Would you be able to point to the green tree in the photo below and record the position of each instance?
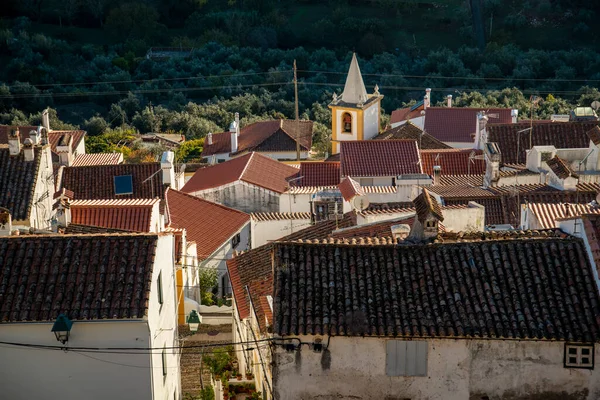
(208, 279)
(189, 150)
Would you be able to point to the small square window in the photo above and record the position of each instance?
(235, 240)
(579, 356)
(159, 288)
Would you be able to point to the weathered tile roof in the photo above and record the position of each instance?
(407, 113)
(125, 214)
(87, 277)
(591, 226)
(453, 161)
(562, 135)
(279, 216)
(77, 229)
(594, 135)
(253, 168)
(380, 229)
(459, 124)
(17, 182)
(461, 180)
(97, 182)
(530, 288)
(277, 135)
(23, 130)
(426, 204)
(548, 213)
(560, 168)
(54, 137)
(379, 158)
(318, 174)
(388, 208)
(413, 132)
(208, 224)
(349, 188)
(84, 160)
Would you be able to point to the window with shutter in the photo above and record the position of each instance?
(406, 358)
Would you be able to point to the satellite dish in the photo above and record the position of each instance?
(360, 202)
(598, 198)
(595, 105)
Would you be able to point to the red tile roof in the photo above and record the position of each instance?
(208, 224)
(380, 229)
(411, 131)
(548, 213)
(426, 204)
(591, 226)
(403, 114)
(454, 161)
(318, 174)
(23, 131)
(458, 124)
(379, 158)
(594, 135)
(97, 182)
(279, 216)
(461, 180)
(54, 138)
(87, 277)
(253, 168)
(277, 135)
(562, 135)
(560, 168)
(349, 188)
(84, 160)
(126, 214)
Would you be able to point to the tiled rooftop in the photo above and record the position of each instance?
(412, 132)
(318, 174)
(379, 158)
(125, 214)
(459, 124)
(562, 135)
(87, 277)
(17, 182)
(84, 160)
(524, 288)
(276, 135)
(281, 216)
(560, 168)
(404, 114)
(426, 204)
(349, 188)
(453, 161)
(461, 180)
(548, 213)
(208, 224)
(253, 168)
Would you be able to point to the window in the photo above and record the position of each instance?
(164, 361)
(406, 358)
(430, 224)
(235, 240)
(346, 123)
(159, 288)
(579, 356)
(123, 184)
(546, 156)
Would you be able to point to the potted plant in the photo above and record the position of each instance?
(249, 375)
(239, 376)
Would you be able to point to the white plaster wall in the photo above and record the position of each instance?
(418, 121)
(285, 155)
(295, 203)
(156, 222)
(80, 149)
(354, 368)
(371, 123)
(217, 157)
(522, 180)
(471, 219)
(461, 145)
(41, 213)
(51, 374)
(162, 321)
(243, 197)
(264, 232)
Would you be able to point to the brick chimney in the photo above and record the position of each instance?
(14, 142)
(64, 148)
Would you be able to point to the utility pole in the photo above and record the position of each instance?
(296, 109)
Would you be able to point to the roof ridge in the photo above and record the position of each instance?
(241, 177)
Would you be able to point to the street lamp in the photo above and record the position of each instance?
(62, 328)
(193, 321)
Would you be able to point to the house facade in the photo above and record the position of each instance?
(104, 313)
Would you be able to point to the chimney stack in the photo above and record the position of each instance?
(14, 142)
(428, 96)
(514, 113)
(5, 222)
(449, 100)
(492, 164)
(209, 139)
(237, 122)
(28, 151)
(64, 148)
(234, 130)
(437, 174)
(168, 169)
(34, 135)
(46, 120)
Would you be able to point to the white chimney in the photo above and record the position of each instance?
(233, 130)
(168, 169)
(14, 142)
(437, 174)
(449, 100)
(46, 120)
(428, 94)
(28, 151)
(425, 102)
(480, 130)
(237, 122)
(64, 148)
(492, 156)
(209, 138)
(514, 114)
(34, 135)
(5, 222)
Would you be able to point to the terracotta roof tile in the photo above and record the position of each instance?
(454, 161)
(461, 180)
(349, 189)
(548, 213)
(54, 137)
(208, 224)
(481, 289)
(562, 135)
(458, 124)
(86, 277)
(413, 132)
(23, 130)
(318, 174)
(407, 113)
(97, 182)
(380, 229)
(560, 168)
(17, 182)
(126, 214)
(379, 158)
(279, 216)
(84, 160)
(77, 229)
(264, 136)
(591, 226)
(594, 135)
(253, 168)
(426, 204)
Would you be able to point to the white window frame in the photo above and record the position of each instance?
(576, 351)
